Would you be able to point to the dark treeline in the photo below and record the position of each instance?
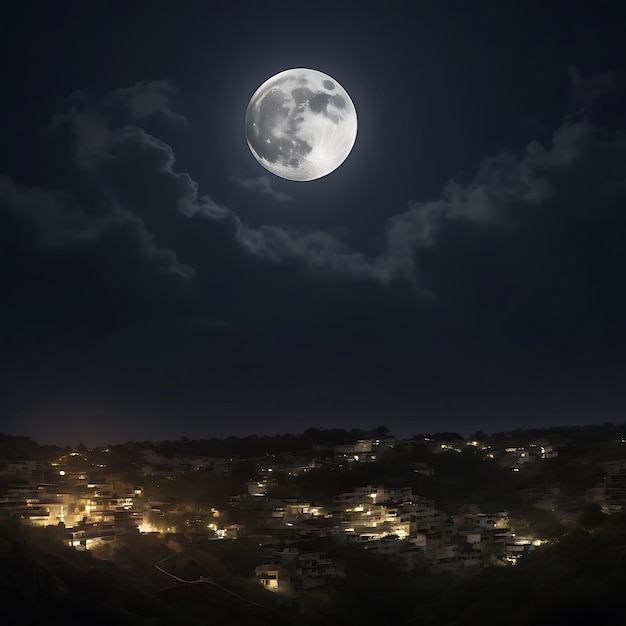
(576, 438)
(16, 448)
(260, 445)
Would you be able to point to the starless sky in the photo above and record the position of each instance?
(463, 269)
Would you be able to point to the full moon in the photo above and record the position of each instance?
(301, 124)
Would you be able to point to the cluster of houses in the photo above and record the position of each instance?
(302, 543)
(90, 506)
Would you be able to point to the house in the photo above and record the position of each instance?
(515, 458)
(274, 577)
(300, 565)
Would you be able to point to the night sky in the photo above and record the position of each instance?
(464, 268)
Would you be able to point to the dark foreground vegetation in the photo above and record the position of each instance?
(579, 578)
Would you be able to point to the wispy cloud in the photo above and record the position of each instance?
(263, 186)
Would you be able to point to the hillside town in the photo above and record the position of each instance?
(94, 497)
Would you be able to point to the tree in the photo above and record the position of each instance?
(380, 432)
(591, 516)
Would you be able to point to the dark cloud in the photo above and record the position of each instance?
(144, 100)
(53, 218)
(91, 121)
(263, 186)
(139, 172)
(547, 284)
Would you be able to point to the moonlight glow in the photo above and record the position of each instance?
(301, 124)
